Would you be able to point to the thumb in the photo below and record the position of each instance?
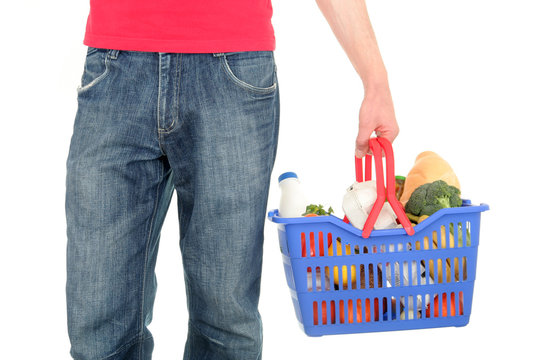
(362, 141)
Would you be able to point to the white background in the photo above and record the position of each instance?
(465, 82)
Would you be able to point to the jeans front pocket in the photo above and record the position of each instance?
(254, 71)
(96, 67)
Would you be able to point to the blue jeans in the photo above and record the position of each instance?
(148, 123)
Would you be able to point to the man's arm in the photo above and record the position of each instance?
(350, 23)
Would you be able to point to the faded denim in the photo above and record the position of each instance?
(147, 124)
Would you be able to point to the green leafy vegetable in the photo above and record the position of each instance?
(318, 210)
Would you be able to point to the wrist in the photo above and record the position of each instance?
(376, 85)
(377, 90)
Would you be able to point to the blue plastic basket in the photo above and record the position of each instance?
(395, 281)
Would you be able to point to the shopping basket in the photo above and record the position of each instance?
(346, 280)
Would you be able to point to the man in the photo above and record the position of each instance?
(184, 95)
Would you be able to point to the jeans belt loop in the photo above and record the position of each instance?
(113, 54)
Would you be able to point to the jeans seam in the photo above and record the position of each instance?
(176, 98)
(145, 267)
(201, 334)
(244, 85)
(82, 89)
(137, 338)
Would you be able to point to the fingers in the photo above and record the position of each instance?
(362, 141)
(389, 133)
(365, 133)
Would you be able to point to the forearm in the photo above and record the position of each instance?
(350, 23)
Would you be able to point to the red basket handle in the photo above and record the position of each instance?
(375, 144)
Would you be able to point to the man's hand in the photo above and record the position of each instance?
(376, 115)
(350, 23)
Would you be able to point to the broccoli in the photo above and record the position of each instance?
(430, 197)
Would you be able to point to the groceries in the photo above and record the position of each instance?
(358, 202)
(293, 200)
(317, 210)
(430, 197)
(427, 168)
(400, 185)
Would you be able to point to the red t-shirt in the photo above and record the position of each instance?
(189, 26)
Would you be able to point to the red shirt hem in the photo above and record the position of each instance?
(179, 46)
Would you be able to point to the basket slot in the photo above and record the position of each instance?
(406, 273)
(445, 237)
(453, 269)
(458, 271)
(412, 307)
(337, 278)
(429, 305)
(422, 273)
(421, 306)
(355, 276)
(464, 268)
(359, 310)
(321, 244)
(371, 277)
(379, 275)
(303, 243)
(404, 302)
(392, 310)
(324, 313)
(341, 312)
(343, 277)
(450, 305)
(470, 232)
(327, 279)
(383, 309)
(319, 278)
(439, 271)
(362, 276)
(377, 309)
(452, 236)
(447, 270)
(463, 230)
(315, 313)
(369, 311)
(431, 270)
(415, 274)
(460, 234)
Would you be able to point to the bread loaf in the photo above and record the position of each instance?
(428, 167)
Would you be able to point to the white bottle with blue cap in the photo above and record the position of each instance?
(293, 202)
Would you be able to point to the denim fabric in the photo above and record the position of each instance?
(147, 124)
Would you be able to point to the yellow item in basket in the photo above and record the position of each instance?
(443, 244)
(428, 167)
(343, 268)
